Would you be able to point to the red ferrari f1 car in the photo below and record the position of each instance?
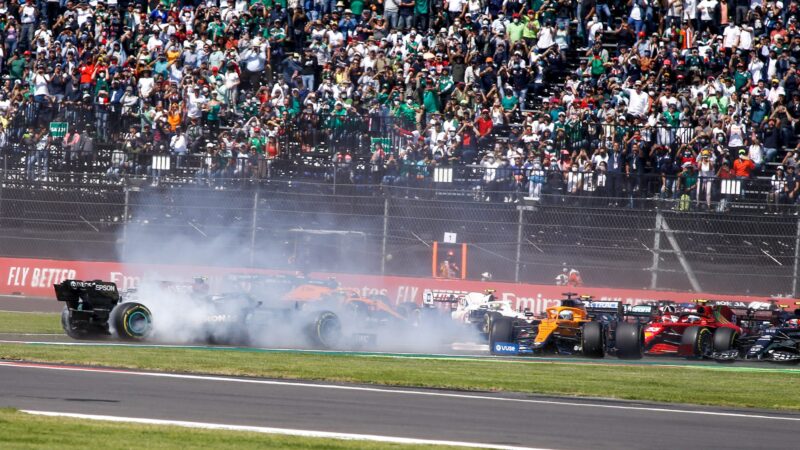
(697, 330)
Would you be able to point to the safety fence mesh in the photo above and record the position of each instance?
(351, 229)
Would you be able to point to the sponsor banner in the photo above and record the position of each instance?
(35, 277)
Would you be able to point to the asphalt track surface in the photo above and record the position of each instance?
(29, 304)
(499, 419)
(484, 418)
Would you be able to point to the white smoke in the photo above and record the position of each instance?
(223, 315)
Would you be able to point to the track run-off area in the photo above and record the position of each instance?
(425, 416)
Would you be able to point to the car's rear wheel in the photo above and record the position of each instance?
(696, 342)
(592, 340)
(326, 330)
(501, 330)
(71, 330)
(630, 340)
(132, 321)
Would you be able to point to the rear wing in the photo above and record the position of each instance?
(642, 311)
(95, 292)
(605, 307)
(739, 305)
(432, 297)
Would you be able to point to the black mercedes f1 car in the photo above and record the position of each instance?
(96, 308)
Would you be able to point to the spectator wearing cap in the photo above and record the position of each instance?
(743, 167)
(483, 126)
(638, 100)
(777, 192)
(687, 182)
(791, 185)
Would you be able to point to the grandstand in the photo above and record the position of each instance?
(641, 98)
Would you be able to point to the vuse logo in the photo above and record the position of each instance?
(506, 348)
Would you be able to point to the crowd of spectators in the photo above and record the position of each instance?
(599, 92)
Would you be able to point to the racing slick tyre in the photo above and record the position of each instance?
(485, 325)
(132, 321)
(71, 330)
(592, 340)
(725, 339)
(696, 342)
(326, 330)
(500, 331)
(630, 340)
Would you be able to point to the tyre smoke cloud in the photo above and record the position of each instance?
(224, 311)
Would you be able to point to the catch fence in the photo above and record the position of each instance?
(312, 227)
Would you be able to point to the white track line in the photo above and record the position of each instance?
(395, 391)
(283, 431)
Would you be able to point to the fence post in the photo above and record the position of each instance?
(796, 259)
(676, 248)
(656, 248)
(520, 225)
(385, 234)
(253, 229)
(123, 250)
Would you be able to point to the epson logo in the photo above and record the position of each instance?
(104, 287)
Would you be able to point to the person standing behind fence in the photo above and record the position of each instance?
(38, 157)
(70, 147)
(535, 174)
(791, 186)
(177, 146)
(777, 191)
(706, 182)
(616, 161)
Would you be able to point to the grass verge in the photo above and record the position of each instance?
(23, 431)
(18, 322)
(697, 385)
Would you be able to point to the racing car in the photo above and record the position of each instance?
(360, 318)
(779, 343)
(698, 329)
(472, 309)
(579, 326)
(95, 309)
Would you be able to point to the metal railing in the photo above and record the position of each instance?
(57, 164)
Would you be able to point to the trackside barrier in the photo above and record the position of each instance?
(35, 277)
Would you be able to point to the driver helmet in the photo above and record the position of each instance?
(693, 319)
(565, 315)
